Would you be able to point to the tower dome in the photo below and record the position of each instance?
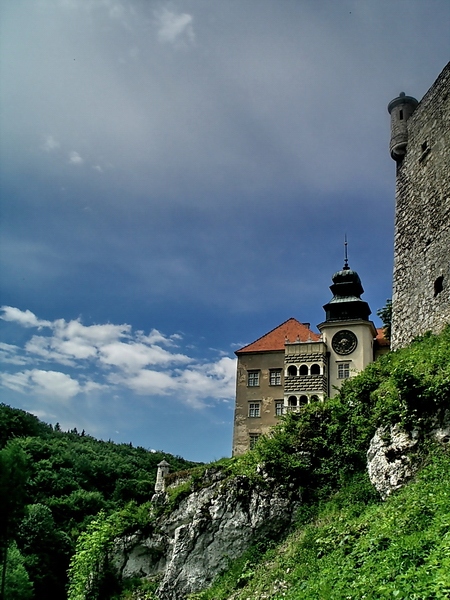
(346, 303)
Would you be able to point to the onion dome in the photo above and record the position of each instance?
(346, 303)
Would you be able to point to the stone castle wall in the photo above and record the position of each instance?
(421, 286)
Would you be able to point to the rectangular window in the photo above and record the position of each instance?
(253, 439)
(253, 379)
(275, 377)
(279, 408)
(254, 409)
(343, 370)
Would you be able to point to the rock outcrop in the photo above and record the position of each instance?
(388, 459)
(210, 527)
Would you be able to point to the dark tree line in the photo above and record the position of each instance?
(52, 484)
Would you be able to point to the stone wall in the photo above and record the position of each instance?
(421, 286)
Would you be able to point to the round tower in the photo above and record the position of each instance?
(400, 109)
(163, 470)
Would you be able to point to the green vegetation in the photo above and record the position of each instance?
(345, 543)
(385, 315)
(357, 547)
(53, 485)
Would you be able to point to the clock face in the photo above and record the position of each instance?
(344, 342)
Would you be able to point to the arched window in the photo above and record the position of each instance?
(303, 400)
(292, 400)
(315, 369)
(304, 370)
(292, 370)
(314, 398)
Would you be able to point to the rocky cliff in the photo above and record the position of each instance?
(211, 526)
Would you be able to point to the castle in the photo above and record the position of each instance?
(420, 145)
(291, 365)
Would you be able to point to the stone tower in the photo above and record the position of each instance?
(163, 470)
(420, 145)
(400, 109)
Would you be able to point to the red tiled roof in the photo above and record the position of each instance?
(275, 339)
(381, 338)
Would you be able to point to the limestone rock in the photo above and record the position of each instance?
(388, 461)
(212, 525)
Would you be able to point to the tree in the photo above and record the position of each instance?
(17, 583)
(385, 315)
(13, 477)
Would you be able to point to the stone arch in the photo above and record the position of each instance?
(303, 370)
(292, 370)
(303, 400)
(315, 369)
(314, 398)
(292, 401)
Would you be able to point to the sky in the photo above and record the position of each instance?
(176, 180)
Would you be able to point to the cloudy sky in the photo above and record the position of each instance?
(176, 180)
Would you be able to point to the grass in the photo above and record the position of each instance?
(357, 547)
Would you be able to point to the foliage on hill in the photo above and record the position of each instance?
(70, 478)
(356, 547)
(347, 544)
(344, 534)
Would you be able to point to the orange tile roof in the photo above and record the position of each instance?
(381, 338)
(275, 339)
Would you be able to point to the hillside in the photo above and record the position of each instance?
(298, 517)
(313, 523)
(69, 477)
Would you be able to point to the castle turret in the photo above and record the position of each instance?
(400, 109)
(163, 470)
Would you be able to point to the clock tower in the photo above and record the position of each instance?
(347, 331)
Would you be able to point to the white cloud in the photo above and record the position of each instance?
(113, 355)
(75, 158)
(173, 26)
(133, 356)
(42, 348)
(9, 353)
(147, 382)
(50, 144)
(54, 383)
(24, 317)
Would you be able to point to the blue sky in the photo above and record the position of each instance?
(176, 180)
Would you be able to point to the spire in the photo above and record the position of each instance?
(346, 267)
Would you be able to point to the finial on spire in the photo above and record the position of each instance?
(346, 267)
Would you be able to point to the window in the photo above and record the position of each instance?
(315, 369)
(254, 409)
(253, 439)
(292, 401)
(253, 379)
(438, 285)
(303, 400)
(343, 370)
(314, 398)
(292, 370)
(275, 377)
(303, 370)
(278, 408)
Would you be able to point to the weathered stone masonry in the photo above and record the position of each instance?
(421, 284)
